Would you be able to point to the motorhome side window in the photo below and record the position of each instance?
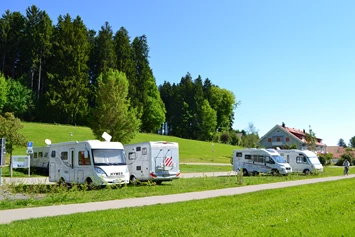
(138, 148)
(40, 154)
(64, 155)
(239, 154)
(144, 151)
(35, 155)
(248, 157)
(301, 159)
(82, 160)
(45, 154)
(53, 154)
(132, 156)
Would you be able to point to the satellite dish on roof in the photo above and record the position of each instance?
(106, 136)
(48, 142)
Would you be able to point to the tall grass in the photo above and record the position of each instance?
(322, 209)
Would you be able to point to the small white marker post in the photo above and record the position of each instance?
(212, 151)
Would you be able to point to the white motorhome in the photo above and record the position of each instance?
(39, 159)
(93, 162)
(156, 161)
(256, 161)
(304, 161)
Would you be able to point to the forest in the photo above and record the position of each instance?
(66, 73)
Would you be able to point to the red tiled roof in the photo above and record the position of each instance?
(299, 133)
(337, 151)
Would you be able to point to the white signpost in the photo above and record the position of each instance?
(29, 148)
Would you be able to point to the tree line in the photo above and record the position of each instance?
(69, 74)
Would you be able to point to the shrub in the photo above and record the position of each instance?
(225, 138)
(235, 140)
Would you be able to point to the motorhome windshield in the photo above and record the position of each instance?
(314, 160)
(278, 159)
(108, 157)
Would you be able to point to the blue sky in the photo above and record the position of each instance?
(285, 61)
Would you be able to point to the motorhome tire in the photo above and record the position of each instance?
(62, 183)
(89, 183)
(255, 173)
(274, 172)
(159, 182)
(306, 172)
(133, 179)
(245, 172)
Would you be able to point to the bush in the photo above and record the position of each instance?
(225, 138)
(235, 140)
(325, 159)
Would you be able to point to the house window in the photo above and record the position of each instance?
(278, 139)
(287, 139)
(269, 139)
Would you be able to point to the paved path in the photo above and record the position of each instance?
(7, 216)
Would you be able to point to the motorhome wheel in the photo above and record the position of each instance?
(133, 179)
(62, 183)
(89, 183)
(245, 172)
(274, 172)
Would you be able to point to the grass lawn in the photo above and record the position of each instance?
(322, 209)
(189, 150)
(53, 195)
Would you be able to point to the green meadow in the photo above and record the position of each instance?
(322, 209)
(189, 150)
(46, 195)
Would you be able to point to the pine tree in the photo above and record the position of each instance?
(67, 94)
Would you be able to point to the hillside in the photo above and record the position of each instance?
(190, 150)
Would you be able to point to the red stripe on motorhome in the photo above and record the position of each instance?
(168, 161)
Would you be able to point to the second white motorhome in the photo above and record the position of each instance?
(254, 161)
(156, 161)
(303, 161)
(39, 159)
(93, 162)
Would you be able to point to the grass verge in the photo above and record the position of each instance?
(46, 195)
(308, 210)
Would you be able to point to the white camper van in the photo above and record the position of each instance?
(154, 160)
(302, 160)
(93, 162)
(256, 161)
(39, 159)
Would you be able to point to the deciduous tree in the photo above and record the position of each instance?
(352, 142)
(113, 113)
(10, 130)
(251, 139)
(19, 99)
